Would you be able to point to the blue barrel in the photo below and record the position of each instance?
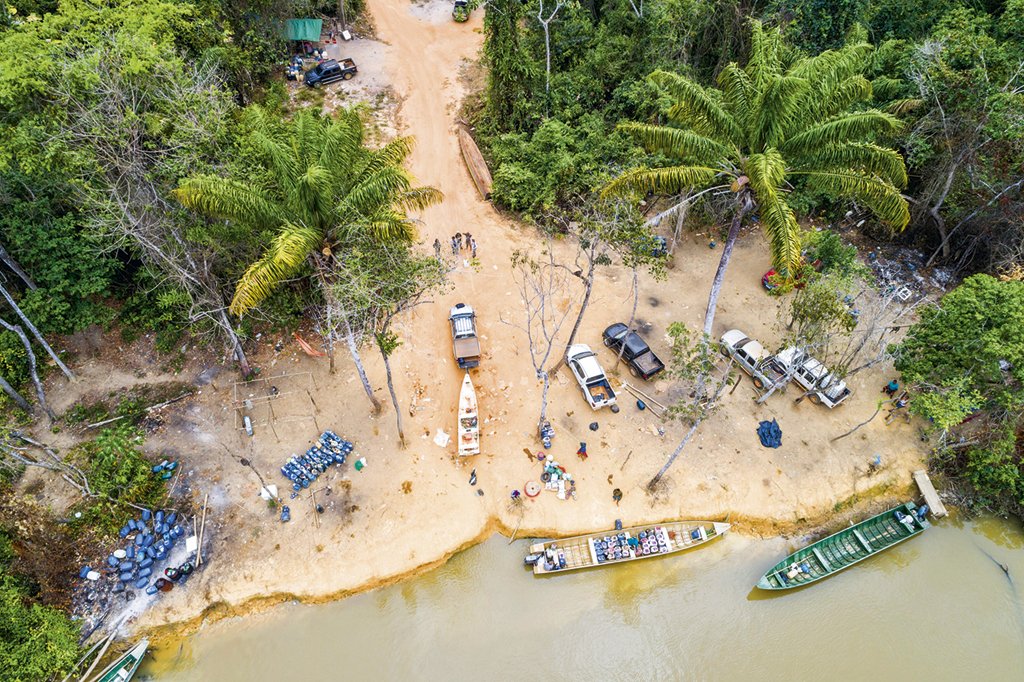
(85, 571)
(118, 588)
(151, 589)
(147, 540)
(150, 552)
(130, 552)
(131, 524)
(126, 576)
(177, 531)
(123, 533)
(171, 517)
(161, 555)
(126, 566)
(159, 516)
(157, 468)
(146, 514)
(171, 466)
(145, 573)
(146, 563)
(141, 582)
(112, 561)
(138, 540)
(164, 528)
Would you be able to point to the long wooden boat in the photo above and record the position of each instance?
(621, 546)
(124, 668)
(845, 548)
(469, 420)
(475, 163)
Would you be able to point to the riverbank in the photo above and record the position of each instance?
(412, 508)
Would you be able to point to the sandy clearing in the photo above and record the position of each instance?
(380, 532)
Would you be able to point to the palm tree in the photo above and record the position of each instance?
(320, 191)
(773, 121)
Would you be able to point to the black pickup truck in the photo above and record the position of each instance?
(642, 361)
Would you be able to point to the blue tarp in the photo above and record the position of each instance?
(770, 434)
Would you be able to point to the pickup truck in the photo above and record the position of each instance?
(591, 378)
(824, 387)
(330, 71)
(465, 344)
(642, 361)
(752, 358)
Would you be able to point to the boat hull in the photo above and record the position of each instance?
(469, 420)
(596, 549)
(841, 550)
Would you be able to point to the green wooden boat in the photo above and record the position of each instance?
(844, 549)
(123, 669)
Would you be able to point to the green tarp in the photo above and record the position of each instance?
(303, 29)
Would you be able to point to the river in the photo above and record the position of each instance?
(933, 608)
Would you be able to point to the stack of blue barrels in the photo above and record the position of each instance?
(303, 470)
(149, 540)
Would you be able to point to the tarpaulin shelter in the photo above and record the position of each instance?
(303, 29)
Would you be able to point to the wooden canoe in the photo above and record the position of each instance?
(843, 549)
(469, 420)
(124, 668)
(599, 549)
(475, 163)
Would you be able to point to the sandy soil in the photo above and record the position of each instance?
(412, 508)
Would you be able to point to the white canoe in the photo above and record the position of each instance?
(469, 420)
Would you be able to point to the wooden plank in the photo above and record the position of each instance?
(931, 497)
(822, 560)
(475, 163)
(863, 540)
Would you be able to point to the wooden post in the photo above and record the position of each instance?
(202, 527)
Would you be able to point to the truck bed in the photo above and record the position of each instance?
(601, 392)
(467, 351)
(648, 364)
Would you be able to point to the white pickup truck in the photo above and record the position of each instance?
(752, 358)
(591, 378)
(824, 387)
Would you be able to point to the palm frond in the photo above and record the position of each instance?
(865, 158)
(696, 108)
(229, 199)
(765, 54)
(841, 97)
(740, 94)
(670, 180)
(418, 198)
(767, 172)
(777, 110)
(683, 145)
(286, 254)
(389, 226)
(882, 198)
(851, 127)
(901, 107)
(374, 191)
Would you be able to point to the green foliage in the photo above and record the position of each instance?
(836, 257)
(818, 25)
(118, 474)
(965, 358)
(818, 310)
(36, 642)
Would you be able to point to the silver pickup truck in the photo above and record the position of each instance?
(824, 387)
(752, 358)
(465, 344)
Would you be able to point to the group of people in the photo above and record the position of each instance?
(899, 403)
(458, 242)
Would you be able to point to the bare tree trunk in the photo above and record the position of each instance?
(544, 397)
(865, 422)
(353, 349)
(394, 398)
(9, 261)
(944, 246)
(653, 483)
(632, 313)
(588, 287)
(18, 399)
(40, 394)
(239, 352)
(730, 241)
(35, 332)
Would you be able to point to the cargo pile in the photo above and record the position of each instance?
(303, 470)
(624, 546)
(556, 479)
(149, 540)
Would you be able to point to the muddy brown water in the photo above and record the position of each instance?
(934, 608)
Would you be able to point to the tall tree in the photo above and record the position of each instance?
(769, 123)
(320, 192)
(509, 66)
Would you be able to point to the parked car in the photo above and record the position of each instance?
(330, 71)
(591, 378)
(751, 357)
(642, 361)
(465, 344)
(824, 387)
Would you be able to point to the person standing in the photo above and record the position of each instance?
(472, 248)
(458, 241)
(455, 246)
(467, 238)
(437, 249)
